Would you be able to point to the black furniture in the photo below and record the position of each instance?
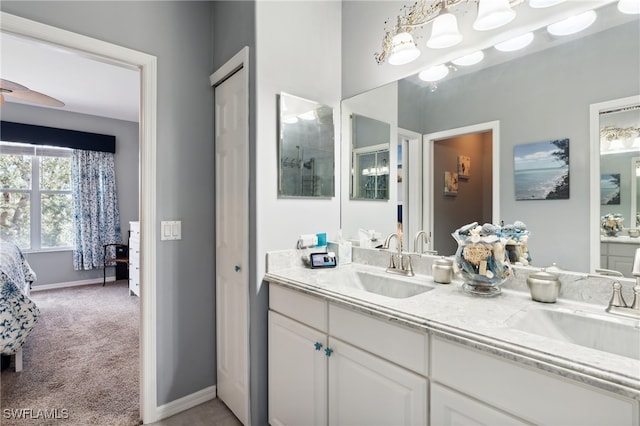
(121, 261)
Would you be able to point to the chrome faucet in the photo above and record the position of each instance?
(422, 237)
(617, 304)
(398, 263)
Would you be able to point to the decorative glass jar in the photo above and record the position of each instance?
(481, 258)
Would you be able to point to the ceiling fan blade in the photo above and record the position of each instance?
(36, 98)
(8, 85)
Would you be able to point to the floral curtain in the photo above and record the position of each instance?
(95, 207)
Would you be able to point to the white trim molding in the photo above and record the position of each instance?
(186, 402)
(147, 64)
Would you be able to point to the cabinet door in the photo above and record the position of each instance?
(297, 373)
(449, 408)
(367, 390)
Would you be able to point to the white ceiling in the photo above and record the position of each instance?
(94, 87)
(84, 84)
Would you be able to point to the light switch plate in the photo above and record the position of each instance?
(171, 230)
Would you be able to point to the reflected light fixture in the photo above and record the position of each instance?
(470, 59)
(572, 24)
(493, 14)
(444, 32)
(435, 73)
(309, 115)
(398, 46)
(615, 139)
(403, 50)
(630, 7)
(515, 43)
(539, 4)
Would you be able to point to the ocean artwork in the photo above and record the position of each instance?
(610, 189)
(541, 170)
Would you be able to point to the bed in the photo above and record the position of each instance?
(18, 313)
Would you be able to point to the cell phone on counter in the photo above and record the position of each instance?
(323, 260)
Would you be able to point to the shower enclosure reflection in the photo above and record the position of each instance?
(306, 148)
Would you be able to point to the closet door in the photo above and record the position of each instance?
(232, 221)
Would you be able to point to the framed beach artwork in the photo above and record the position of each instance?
(541, 170)
(450, 184)
(610, 189)
(464, 166)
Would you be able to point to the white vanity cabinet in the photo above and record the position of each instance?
(487, 388)
(318, 378)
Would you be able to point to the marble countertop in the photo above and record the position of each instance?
(484, 323)
(621, 239)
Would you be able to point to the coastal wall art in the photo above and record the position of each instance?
(541, 170)
(450, 183)
(610, 189)
(464, 166)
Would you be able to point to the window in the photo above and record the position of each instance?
(36, 203)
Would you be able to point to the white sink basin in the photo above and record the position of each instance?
(612, 335)
(389, 285)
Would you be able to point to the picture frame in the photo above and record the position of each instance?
(609, 189)
(450, 184)
(464, 167)
(541, 170)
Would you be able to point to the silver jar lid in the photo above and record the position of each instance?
(544, 275)
(443, 261)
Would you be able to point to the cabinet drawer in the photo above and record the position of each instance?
(299, 306)
(628, 250)
(402, 345)
(531, 394)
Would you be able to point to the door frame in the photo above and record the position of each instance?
(429, 140)
(147, 66)
(412, 185)
(241, 61)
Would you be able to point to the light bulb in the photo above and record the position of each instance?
(434, 73)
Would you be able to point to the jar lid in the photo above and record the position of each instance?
(443, 261)
(544, 275)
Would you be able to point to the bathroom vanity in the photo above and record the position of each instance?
(356, 345)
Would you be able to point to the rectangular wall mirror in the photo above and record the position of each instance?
(369, 158)
(306, 148)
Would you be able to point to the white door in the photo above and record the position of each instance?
(297, 373)
(232, 188)
(367, 390)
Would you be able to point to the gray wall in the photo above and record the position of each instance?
(539, 97)
(57, 267)
(179, 34)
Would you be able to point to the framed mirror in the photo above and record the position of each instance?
(615, 147)
(306, 165)
(370, 165)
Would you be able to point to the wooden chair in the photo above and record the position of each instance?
(110, 261)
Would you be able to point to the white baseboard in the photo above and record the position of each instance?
(56, 286)
(182, 404)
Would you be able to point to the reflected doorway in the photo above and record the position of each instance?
(460, 181)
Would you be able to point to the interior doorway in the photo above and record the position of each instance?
(147, 66)
(461, 181)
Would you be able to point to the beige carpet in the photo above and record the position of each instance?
(81, 364)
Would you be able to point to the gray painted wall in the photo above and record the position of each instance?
(541, 97)
(179, 34)
(57, 267)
